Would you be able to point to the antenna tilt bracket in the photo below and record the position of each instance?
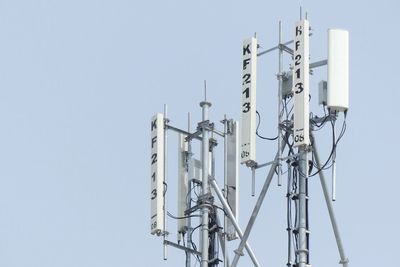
(252, 164)
(212, 143)
(205, 200)
(205, 125)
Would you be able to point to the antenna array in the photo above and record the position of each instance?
(201, 199)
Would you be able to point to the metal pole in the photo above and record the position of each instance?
(302, 250)
(223, 241)
(289, 224)
(225, 187)
(229, 212)
(301, 13)
(274, 48)
(239, 250)
(189, 197)
(213, 244)
(280, 104)
(343, 259)
(205, 209)
(165, 234)
(253, 181)
(334, 176)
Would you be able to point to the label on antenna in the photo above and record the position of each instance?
(248, 106)
(301, 73)
(157, 175)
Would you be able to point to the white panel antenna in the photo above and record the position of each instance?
(301, 73)
(248, 108)
(157, 174)
(182, 183)
(338, 70)
(322, 92)
(232, 176)
(195, 171)
(287, 85)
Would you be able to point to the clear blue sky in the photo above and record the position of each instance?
(79, 81)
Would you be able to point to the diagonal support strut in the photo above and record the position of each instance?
(232, 218)
(343, 259)
(239, 250)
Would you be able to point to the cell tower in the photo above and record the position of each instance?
(202, 202)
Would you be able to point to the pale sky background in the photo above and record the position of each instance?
(80, 80)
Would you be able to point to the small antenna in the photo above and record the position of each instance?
(189, 121)
(301, 13)
(205, 90)
(165, 110)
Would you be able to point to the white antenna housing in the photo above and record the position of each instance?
(232, 177)
(157, 174)
(182, 182)
(322, 92)
(338, 70)
(301, 77)
(195, 170)
(248, 108)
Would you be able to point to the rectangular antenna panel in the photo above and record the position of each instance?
(182, 182)
(322, 92)
(157, 175)
(248, 108)
(195, 170)
(301, 73)
(338, 69)
(232, 176)
(287, 85)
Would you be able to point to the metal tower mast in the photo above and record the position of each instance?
(205, 197)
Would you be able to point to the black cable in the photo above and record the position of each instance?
(258, 125)
(320, 125)
(187, 195)
(183, 217)
(295, 189)
(212, 237)
(165, 188)
(285, 138)
(193, 244)
(291, 109)
(223, 210)
(325, 166)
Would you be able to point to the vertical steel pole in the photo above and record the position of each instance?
(205, 209)
(253, 181)
(165, 234)
(302, 251)
(225, 189)
(343, 259)
(189, 196)
(222, 242)
(289, 224)
(334, 176)
(280, 105)
(213, 244)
